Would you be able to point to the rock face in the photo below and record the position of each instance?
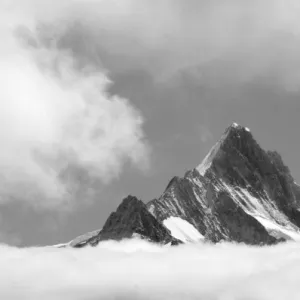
(131, 219)
(238, 193)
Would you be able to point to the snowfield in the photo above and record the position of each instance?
(183, 230)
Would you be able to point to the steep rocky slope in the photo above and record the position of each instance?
(131, 219)
(238, 193)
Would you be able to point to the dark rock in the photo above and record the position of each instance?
(132, 218)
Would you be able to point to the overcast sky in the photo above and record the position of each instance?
(100, 99)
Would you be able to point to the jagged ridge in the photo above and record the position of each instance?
(131, 219)
(238, 193)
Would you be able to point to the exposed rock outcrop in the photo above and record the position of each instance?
(131, 219)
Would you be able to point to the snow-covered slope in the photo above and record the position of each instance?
(266, 213)
(183, 230)
(207, 161)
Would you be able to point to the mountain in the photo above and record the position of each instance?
(131, 219)
(239, 193)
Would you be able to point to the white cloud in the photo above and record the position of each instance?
(55, 118)
(53, 87)
(137, 270)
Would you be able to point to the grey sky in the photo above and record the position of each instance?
(187, 69)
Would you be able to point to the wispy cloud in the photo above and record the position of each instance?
(138, 270)
(230, 42)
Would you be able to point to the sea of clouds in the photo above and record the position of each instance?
(135, 269)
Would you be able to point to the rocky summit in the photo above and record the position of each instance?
(239, 193)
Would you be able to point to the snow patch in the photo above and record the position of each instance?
(277, 230)
(183, 230)
(247, 129)
(203, 167)
(235, 124)
(206, 163)
(59, 245)
(151, 209)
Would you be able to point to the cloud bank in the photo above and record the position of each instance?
(134, 269)
(61, 133)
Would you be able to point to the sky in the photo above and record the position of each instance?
(103, 98)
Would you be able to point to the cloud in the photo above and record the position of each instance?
(62, 134)
(60, 131)
(134, 269)
(220, 43)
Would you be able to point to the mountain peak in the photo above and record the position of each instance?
(235, 126)
(132, 218)
(234, 136)
(243, 193)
